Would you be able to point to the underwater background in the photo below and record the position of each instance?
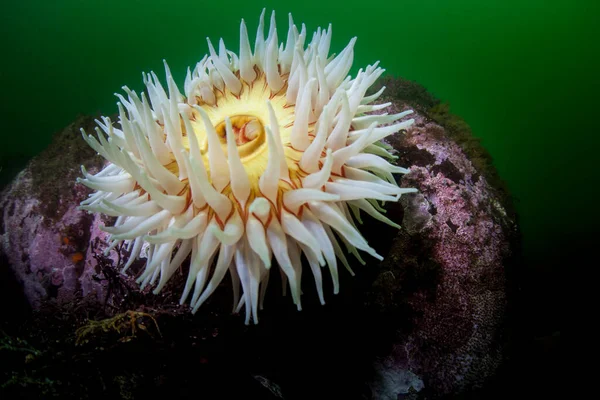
(522, 74)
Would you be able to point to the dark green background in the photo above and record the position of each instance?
(521, 73)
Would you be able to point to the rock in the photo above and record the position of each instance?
(444, 278)
(424, 323)
(43, 236)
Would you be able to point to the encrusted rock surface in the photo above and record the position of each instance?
(445, 274)
(43, 237)
(426, 322)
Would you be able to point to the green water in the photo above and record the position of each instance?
(521, 73)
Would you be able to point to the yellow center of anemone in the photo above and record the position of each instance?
(249, 115)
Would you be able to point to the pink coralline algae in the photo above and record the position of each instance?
(446, 281)
(45, 238)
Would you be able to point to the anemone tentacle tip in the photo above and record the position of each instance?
(266, 155)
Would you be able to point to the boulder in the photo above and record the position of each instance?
(44, 238)
(427, 322)
(442, 288)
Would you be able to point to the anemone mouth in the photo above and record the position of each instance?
(249, 132)
(267, 157)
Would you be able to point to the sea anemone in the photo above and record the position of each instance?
(266, 155)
